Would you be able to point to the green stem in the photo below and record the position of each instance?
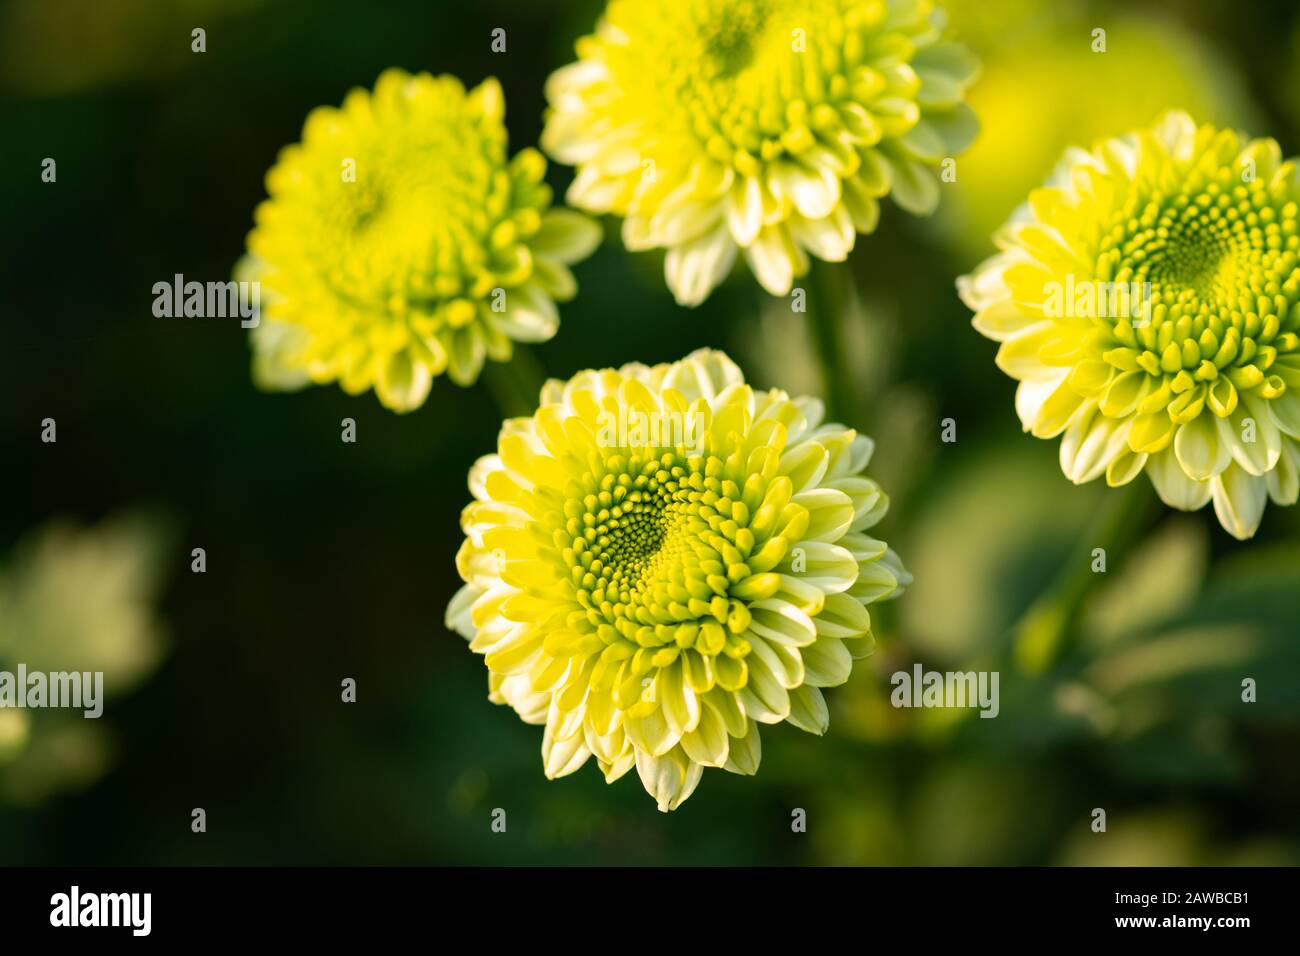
(829, 289)
(1050, 627)
(515, 385)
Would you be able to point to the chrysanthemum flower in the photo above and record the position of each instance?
(771, 126)
(399, 241)
(1148, 302)
(661, 559)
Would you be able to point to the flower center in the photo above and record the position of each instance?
(654, 546)
(744, 78)
(1213, 269)
(406, 231)
(1190, 261)
(731, 40)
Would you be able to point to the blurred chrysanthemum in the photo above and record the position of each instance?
(1148, 301)
(399, 241)
(771, 126)
(76, 599)
(661, 559)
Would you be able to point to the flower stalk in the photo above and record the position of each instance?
(1047, 631)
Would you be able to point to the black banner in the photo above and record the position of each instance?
(219, 904)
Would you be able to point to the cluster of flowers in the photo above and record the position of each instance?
(652, 601)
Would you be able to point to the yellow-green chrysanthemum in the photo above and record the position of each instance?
(661, 559)
(771, 126)
(1148, 302)
(399, 241)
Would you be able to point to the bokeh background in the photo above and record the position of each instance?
(327, 560)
